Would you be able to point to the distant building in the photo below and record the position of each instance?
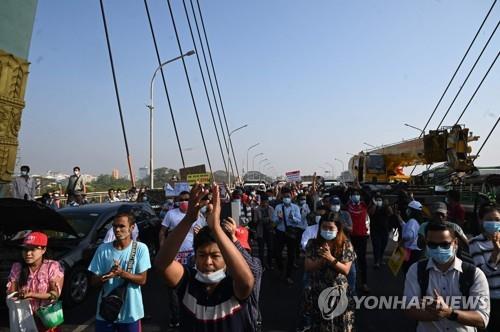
(143, 172)
(115, 174)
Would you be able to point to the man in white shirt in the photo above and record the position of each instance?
(443, 293)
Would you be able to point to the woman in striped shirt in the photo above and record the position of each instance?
(485, 252)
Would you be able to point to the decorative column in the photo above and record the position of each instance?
(16, 27)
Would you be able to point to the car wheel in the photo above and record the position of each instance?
(76, 286)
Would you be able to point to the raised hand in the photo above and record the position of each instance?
(195, 198)
(213, 218)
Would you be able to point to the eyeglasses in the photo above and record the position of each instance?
(443, 245)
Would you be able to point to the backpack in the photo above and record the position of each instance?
(465, 281)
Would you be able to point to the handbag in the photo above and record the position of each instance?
(291, 233)
(396, 260)
(20, 315)
(51, 315)
(112, 303)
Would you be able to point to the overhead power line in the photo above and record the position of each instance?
(164, 85)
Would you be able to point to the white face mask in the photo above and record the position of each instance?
(210, 278)
(379, 203)
(24, 173)
(335, 208)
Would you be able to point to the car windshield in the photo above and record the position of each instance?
(81, 223)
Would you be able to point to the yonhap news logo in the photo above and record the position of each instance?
(333, 302)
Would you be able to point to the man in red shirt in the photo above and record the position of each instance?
(358, 210)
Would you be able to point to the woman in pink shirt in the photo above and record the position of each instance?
(36, 278)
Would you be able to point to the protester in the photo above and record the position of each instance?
(239, 236)
(121, 264)
(485, 252)
(410, 234)
(24, 186)
(36, 278)
(440, 277)
(111, 196)
(76, 183)
(439, 215)
(360, 233)
(456, 212)
(213, 300)
(328, 261)
(265, 231)
(172, 219)
(379, 228)
(287, 218)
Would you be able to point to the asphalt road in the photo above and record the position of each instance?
(279, 303)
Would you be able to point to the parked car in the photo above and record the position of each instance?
(74, 235)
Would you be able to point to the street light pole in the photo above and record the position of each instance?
(341, 162)
(370, 145)
(333, 170)
(228, 156)
(253, 160)
(420, 130)
(260, 162)
(151, 108)
(248, 150)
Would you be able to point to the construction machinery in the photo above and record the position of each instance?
(385, 164)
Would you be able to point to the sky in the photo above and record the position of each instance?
(314, 80)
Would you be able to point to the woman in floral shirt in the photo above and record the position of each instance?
(36, 278)
(328, 261)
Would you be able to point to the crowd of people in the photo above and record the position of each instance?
(213, 261)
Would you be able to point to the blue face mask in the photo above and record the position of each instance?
(302, 202)
(491, 227)
(441, 255)
(328, 235)
(355, 199)
(287, 200)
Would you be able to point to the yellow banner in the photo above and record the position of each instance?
(201, 178)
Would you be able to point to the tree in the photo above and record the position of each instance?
(106, 181)
(162, 175)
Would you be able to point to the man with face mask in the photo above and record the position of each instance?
(445, 276)
(24, 186)
(76, 183)
(170, 222)
(110, 270)
(212, 299)
(287, 219)
(379, 228)
(360, 232)
(485, 252)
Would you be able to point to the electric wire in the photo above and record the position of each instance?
(217, 85)
(486, 140)
(468, 75)
(477, 89)
(117, 94)
(205, 84)
(164, 83)
(459, 65)
(211, 83)
(189, 85)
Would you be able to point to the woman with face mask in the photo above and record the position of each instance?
(410, 234)
(36, 278)
(485, 252)
(328, 261)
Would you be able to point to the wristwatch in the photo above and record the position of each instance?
(453, 315)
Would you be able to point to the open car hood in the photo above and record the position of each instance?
(18, 215)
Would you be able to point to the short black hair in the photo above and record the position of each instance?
(204, 236)
(76, 168)
(439, 227)
(487, 208)
(26, 167)
(184, 193)
(130, 217)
